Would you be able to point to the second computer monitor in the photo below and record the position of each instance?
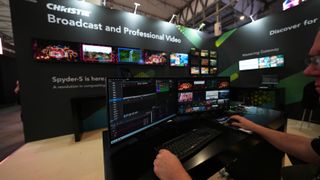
(203, 94)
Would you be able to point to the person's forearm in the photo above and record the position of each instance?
(297, 146)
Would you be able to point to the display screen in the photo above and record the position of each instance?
(213, 70)
(55, 51)
(194, 52)
(154, 57)
(205, 62)
(262, 63)
(195, 70)
(203, 94)
(130, 55)
(178, 59)
(213, 62)
(213, 54)
(134, 105)
(204, 53)
(99, 54)
(204, 70)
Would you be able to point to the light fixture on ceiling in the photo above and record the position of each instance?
(136, 7)
(251, 17)
(241, 17)
(173, 16)
(202, 25)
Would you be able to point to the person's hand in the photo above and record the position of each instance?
(168, 167)
(243, 122)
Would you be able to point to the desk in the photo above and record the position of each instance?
(239, 151)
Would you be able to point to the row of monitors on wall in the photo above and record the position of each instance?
(196, 70)
(203, 53)
(262, 63)
(61, 51)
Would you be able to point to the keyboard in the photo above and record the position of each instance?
(190, 142)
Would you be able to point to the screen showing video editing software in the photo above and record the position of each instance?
(203, 94)
(137, 104)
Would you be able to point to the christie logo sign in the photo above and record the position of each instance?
(69, 10)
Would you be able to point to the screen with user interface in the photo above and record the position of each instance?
(203, 94)
(135, 105)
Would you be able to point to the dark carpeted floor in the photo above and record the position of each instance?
(11, 131)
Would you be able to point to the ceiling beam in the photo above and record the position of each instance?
(132, 8)
(168, 4)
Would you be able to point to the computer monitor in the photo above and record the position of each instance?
(135, 105)
(203, 94)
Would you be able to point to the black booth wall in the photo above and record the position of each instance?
(46, 104)
(8, 78)
(259, 39)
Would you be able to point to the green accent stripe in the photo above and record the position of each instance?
(224, 37)
(191, 35)
(294, 85)
(231, 71)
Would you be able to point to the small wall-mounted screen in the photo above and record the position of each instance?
(262, 62)
(130, 55)
(94, 53)
(55, 51)
(195, 70)
(154, 57)
(178, 59)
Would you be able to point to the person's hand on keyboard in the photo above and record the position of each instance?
(168, 167)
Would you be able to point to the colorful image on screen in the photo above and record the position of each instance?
(185, 97)
(204, 53)
(55, 51)
(213, 70)
(184, 86)
(264, 62)
(204, 70)
(195, 70)
(154, 57)
(213, 62)
(213, 54)
(93, 53)
(205, 62)
(129, 55)
(178, 59)
(223, 84)
(162, 86)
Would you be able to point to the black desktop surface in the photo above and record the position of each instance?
(135, 161)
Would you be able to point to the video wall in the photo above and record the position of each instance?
(203, 62)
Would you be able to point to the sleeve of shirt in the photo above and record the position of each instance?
(315, 143)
